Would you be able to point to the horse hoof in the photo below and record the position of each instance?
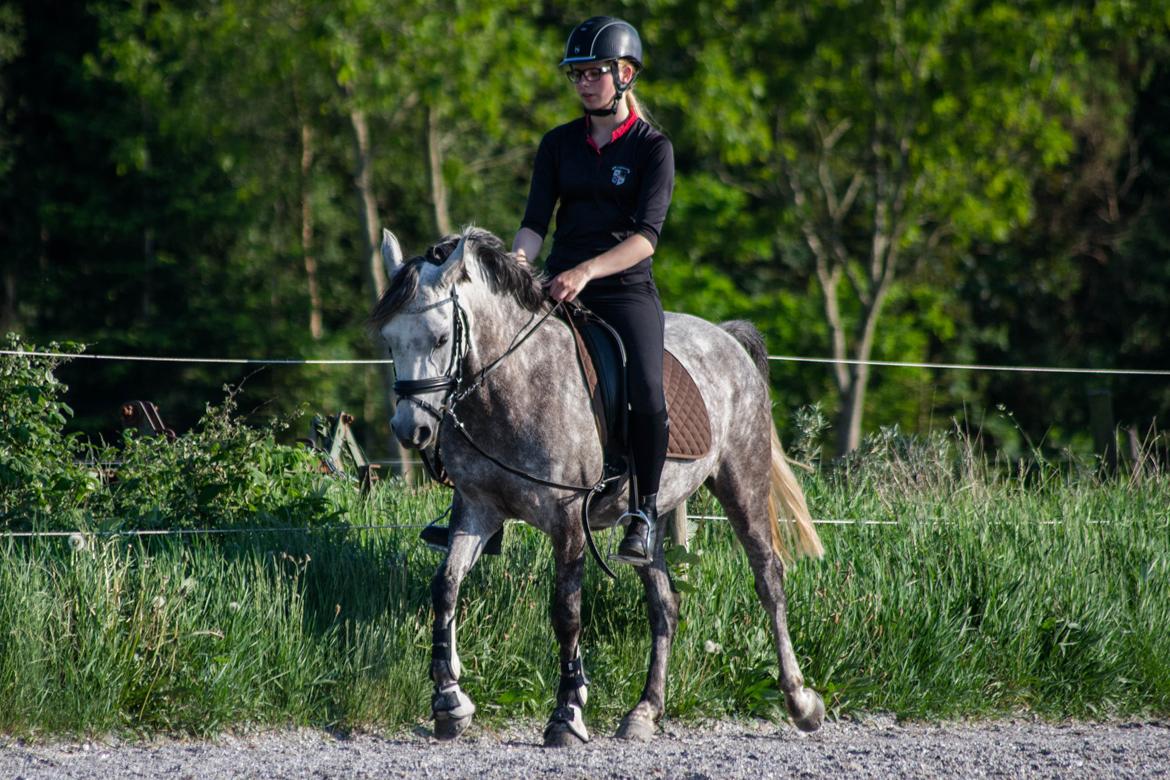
(566, 728)
(807, 718)
(636, 729)
(449, 728)
(561, 736)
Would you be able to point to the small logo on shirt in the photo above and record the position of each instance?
(620, 172)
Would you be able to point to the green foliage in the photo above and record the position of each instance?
(10, 43)
(223, 474)
(39, 475)
(980, 590)
(177, 178)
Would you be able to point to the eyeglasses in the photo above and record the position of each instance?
(590, 75)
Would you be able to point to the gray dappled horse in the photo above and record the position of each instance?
(448, 321)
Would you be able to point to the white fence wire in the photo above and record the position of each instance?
(76, 536)
(775, 358)
(387, 361)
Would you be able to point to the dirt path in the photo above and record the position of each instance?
(727, 749)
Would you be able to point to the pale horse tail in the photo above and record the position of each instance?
(796, 537)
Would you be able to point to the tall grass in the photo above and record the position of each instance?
(995, 589)
(993, 593)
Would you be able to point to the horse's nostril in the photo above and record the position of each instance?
(423, 434)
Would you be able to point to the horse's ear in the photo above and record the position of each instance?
(453, 265)
(391, 253)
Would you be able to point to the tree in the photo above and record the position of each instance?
(241, 131)
(886, 135)
(1086, 284)
(10, 42)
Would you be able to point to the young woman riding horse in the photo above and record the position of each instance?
(518, 439)
(612, 174)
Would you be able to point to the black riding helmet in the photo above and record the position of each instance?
(606, 38)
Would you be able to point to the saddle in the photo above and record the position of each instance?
(602, 358)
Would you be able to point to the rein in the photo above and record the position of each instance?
(449, 382)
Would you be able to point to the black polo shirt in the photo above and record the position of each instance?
(606, 195)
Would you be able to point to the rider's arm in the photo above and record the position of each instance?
(542, 199)
(526, 246)
(654, 195)
(567, 285)
(653, 201)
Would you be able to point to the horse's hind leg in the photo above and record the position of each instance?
(662, 608)
(451, 707)
(744, 496)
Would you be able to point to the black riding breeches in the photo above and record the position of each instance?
(635, 312)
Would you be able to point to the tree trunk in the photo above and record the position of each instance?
(375, 274)
(852, 410)
(435, 160)
(146, 288)
(8, 309)
(315, 317)
(367, 205)
(853, 395)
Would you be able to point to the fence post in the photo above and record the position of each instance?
(1101, 424)
(680, 527)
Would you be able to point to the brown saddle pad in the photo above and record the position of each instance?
(690, 427)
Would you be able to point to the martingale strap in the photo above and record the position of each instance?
(450, 381)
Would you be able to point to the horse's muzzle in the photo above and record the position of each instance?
(412, 436)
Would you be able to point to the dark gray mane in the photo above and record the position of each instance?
(505, 276)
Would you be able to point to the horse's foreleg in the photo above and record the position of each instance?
(566, 726)
(451, 707)
(662, 607)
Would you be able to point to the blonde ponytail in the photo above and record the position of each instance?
(636, 105)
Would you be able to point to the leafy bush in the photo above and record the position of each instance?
(40, 475)
(221, 474)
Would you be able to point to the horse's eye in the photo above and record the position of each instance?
(442, 340)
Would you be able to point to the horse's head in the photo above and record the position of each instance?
(424, 328)
(426, 317)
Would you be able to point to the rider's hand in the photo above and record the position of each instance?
(566, 286)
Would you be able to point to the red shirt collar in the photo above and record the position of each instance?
(618, 132)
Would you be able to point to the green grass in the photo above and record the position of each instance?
(1045, 590)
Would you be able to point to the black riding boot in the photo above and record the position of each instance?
(637, 547)
(438, 537)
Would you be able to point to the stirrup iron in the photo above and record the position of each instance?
(651, 535)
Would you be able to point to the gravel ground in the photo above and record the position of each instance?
(877, 747)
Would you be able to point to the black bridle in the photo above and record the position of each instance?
(449, 382)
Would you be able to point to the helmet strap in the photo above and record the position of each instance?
(619, 89)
